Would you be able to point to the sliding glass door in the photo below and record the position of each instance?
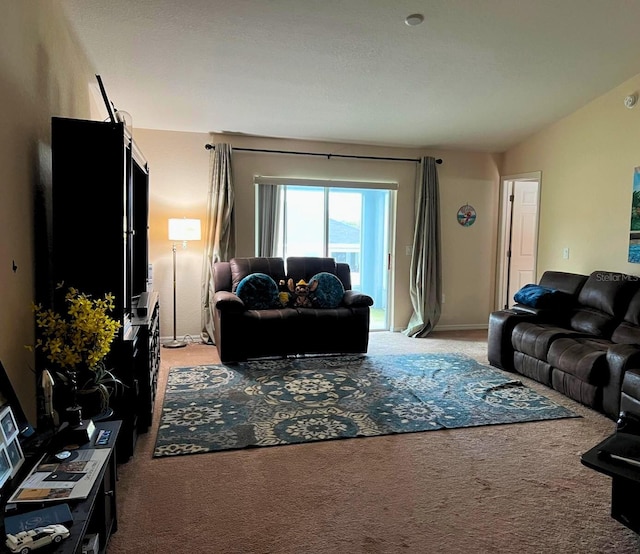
(348, 224)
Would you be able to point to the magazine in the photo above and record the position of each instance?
(69, 479)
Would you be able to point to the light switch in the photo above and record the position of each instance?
(565, 253)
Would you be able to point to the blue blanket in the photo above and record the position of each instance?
(537, 296)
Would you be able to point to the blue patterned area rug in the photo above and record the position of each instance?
(275, 402)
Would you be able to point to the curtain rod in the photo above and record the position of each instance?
(328, 156)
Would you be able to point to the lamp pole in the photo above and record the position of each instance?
(175, 343)
(180, 230)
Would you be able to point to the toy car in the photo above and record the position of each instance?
(26, 541)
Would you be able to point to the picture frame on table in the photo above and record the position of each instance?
(8, 425)
(11, 454)
(5, 466)
(8, 397)
(15, 455)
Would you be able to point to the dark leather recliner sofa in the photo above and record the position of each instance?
(581, 347)
(242, 333)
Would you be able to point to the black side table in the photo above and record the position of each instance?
(625, 487)
(96, 514)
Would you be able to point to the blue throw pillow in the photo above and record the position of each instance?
(258, 291)
(537, 296)
(329, 291)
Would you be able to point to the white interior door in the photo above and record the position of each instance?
(524, 233)
(519, 236)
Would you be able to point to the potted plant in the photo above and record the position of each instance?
(76, 344)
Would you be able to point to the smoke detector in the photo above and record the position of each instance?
(414, 19)
(631, 100)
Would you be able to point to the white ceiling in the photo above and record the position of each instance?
(477, 74)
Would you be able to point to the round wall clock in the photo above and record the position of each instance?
(466, 215)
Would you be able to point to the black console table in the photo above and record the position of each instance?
(97, 514)
(625, 486)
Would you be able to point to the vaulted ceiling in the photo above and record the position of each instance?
(476, 74)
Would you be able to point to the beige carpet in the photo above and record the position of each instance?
(507, 488)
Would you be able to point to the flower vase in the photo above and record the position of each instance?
(92, 404)
(74, 411)
(80, 429)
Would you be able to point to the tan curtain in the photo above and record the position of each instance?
(269, 220)
(220, 228)
(426, 272)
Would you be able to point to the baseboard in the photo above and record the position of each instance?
(189, 339)
(464, 327)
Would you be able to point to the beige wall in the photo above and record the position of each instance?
(178, 176)
(43, 73)
(179, 182)
(587, 162)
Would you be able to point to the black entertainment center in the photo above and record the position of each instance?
(100, 215)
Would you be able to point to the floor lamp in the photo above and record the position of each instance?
(180, 230)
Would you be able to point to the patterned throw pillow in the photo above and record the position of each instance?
(258, 291)
(329, 292)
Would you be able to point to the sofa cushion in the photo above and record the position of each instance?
(571, 283)
(592, 322)
(628, 332)
(546, 298)
(305, 267)
(603, 300)
(571, 386)
(258, 291)
(329, 291)
(631, 384)
(583, 358)
(269, 317)
(535, 339)
(531, 367)
(241, 267)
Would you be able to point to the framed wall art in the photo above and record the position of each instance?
(634, 229)
(466, 215)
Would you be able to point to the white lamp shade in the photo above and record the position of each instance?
(184, 229)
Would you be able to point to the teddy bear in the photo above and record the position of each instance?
(283, 293)
(301, 293)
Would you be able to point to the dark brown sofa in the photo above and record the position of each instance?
(241, 333)
(581, 347)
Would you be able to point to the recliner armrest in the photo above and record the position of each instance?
(354, 298)
(630, 400)
(227, 301)
(546, 315)
(620, 358)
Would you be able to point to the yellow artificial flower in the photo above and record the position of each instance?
(81, 338)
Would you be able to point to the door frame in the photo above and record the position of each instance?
(504, 236)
